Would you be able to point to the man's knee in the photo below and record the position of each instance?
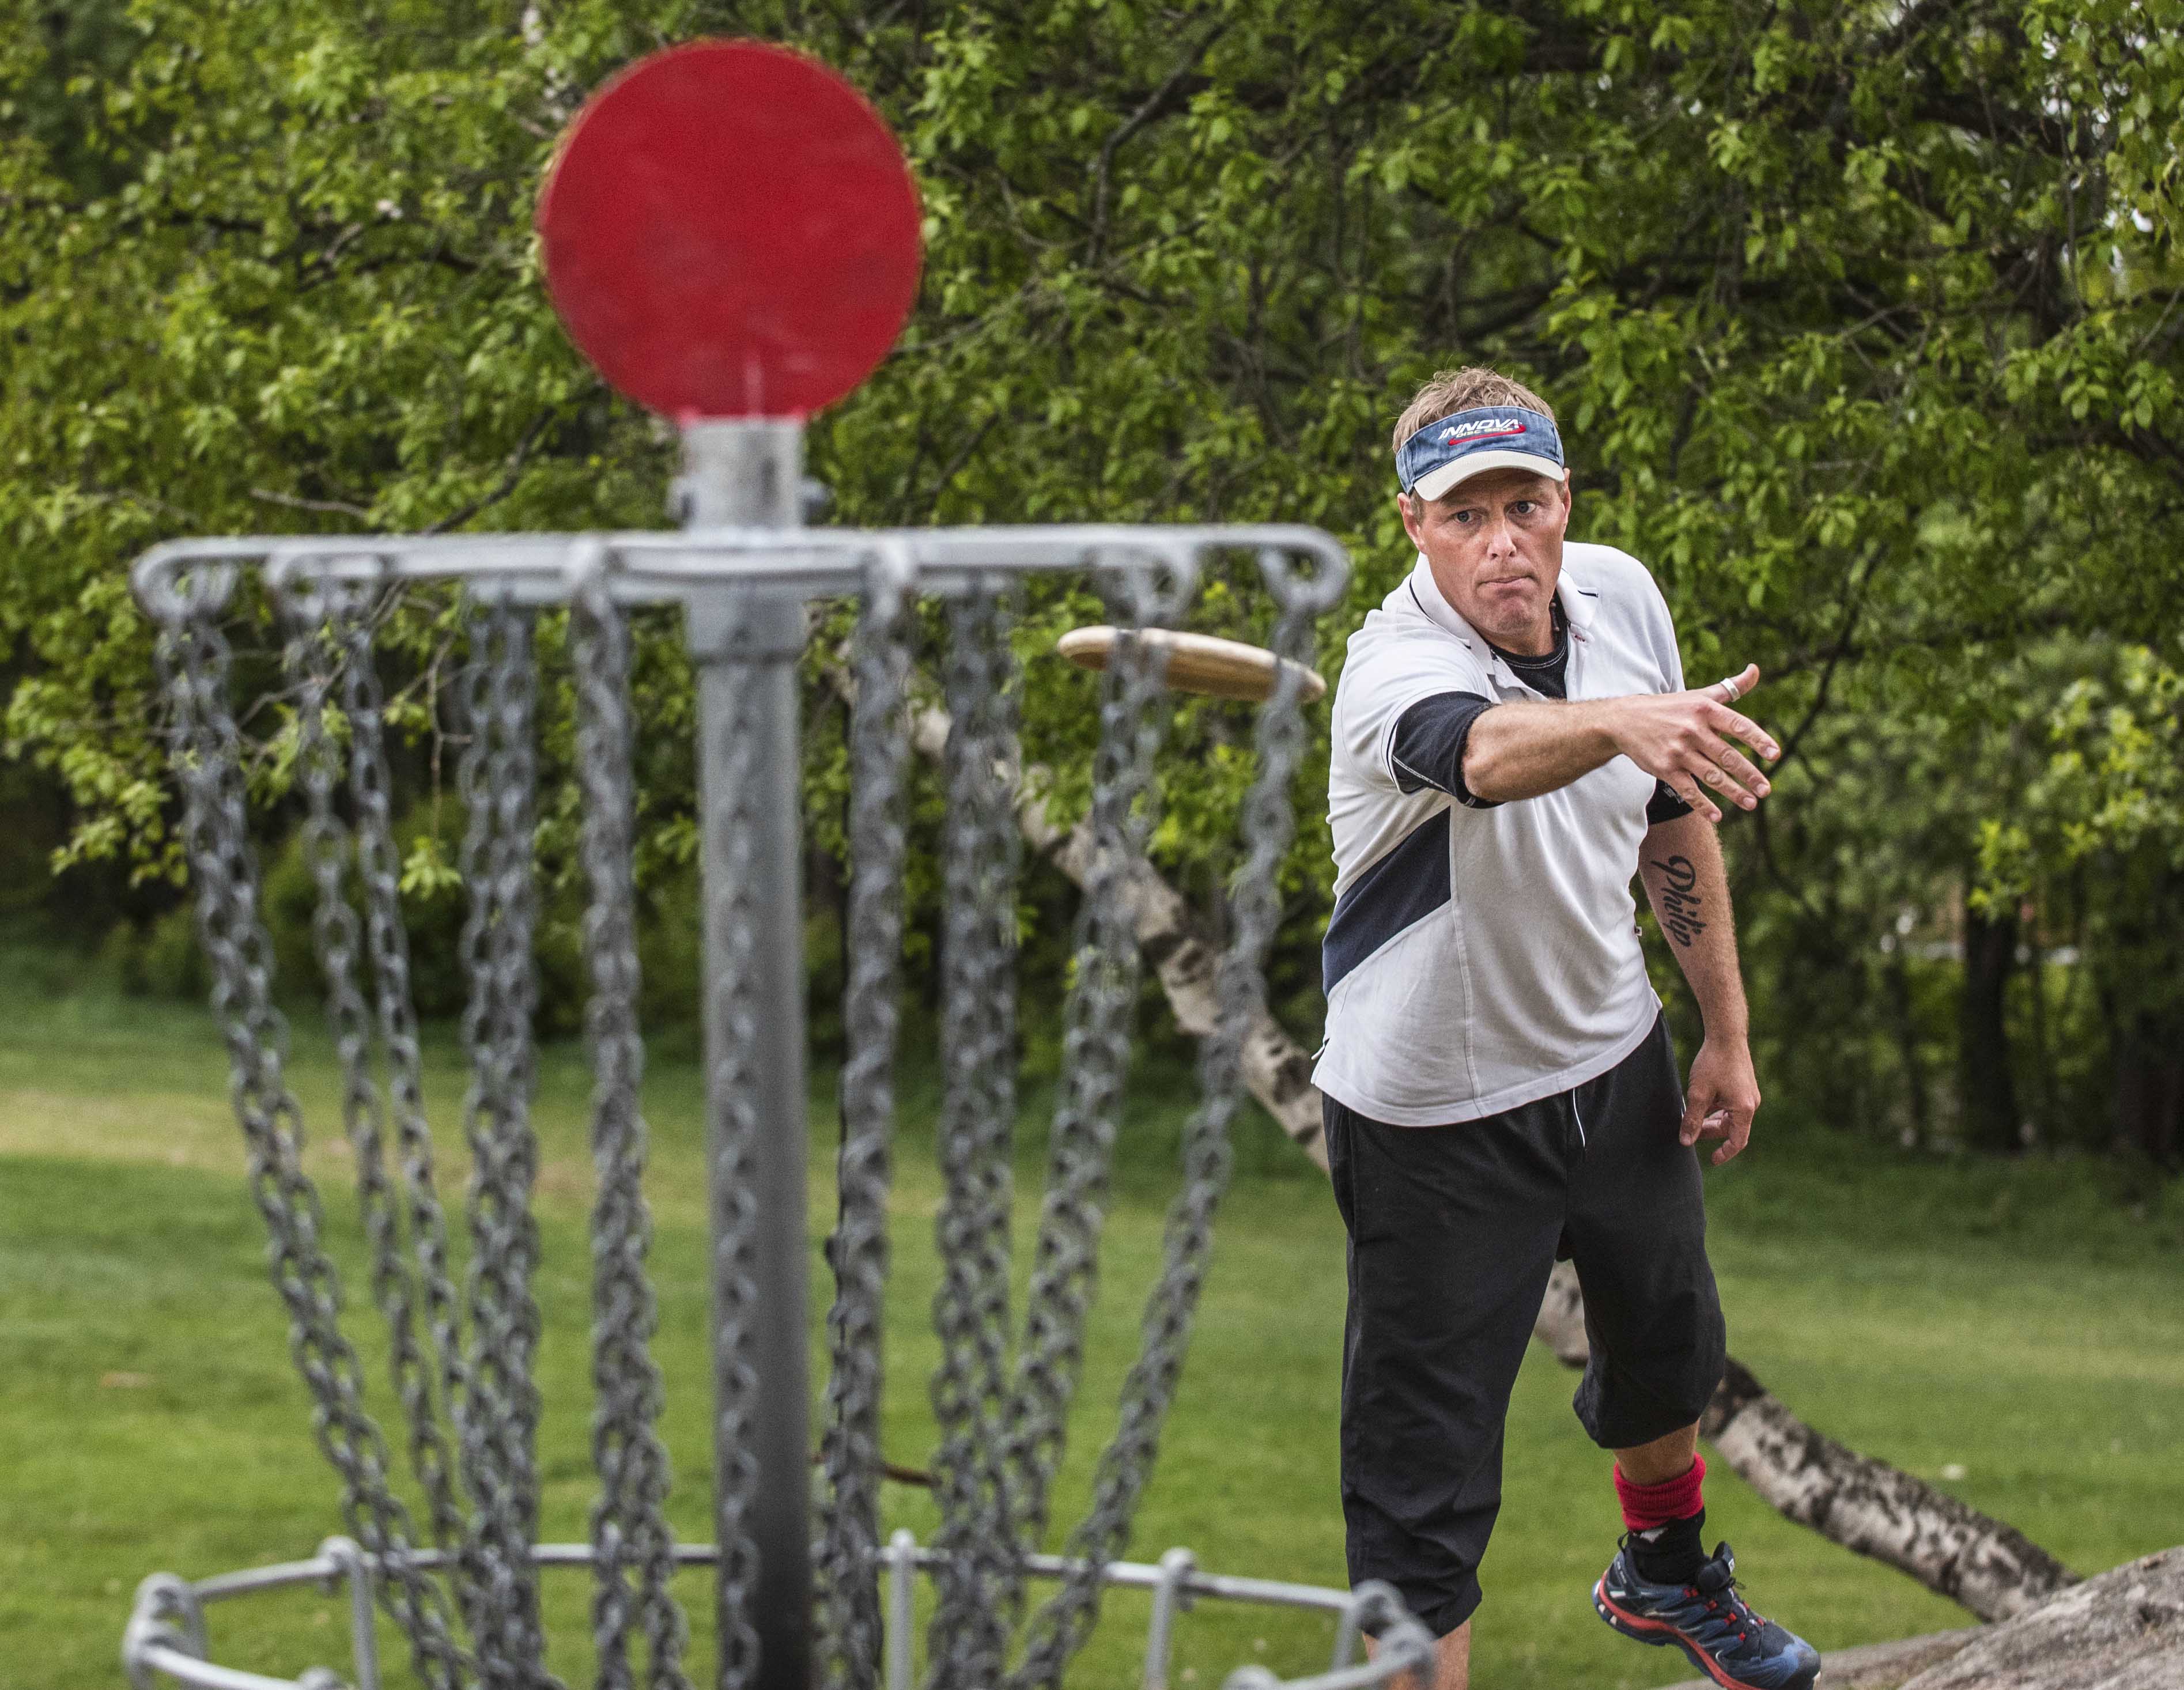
(1641, 1385)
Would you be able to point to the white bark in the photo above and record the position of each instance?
(1866, 1505)
(1560, 1325)
(1873, 1509)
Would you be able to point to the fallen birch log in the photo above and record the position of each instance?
(1866, 1505)
(1873, 1508)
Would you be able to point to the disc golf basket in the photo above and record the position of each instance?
(725, 328)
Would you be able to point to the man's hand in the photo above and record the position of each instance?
(1722, 1097)
(1685, 739)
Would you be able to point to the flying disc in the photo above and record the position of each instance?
(1197, 663)
(730, 231)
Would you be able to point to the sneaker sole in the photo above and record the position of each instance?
(1660, 1632)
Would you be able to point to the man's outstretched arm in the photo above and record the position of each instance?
(1687, 739)
(1680, 863)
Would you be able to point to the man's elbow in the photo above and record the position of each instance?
(1489, 774)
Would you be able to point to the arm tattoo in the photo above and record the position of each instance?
(1680, 901)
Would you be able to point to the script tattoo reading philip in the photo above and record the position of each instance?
(1677, 903)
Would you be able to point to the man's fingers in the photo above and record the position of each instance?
(1725, 773)
(1736, 1130)
(1697, 1108)
(1732, 775)
(1738, 768)
(1687, 787)
(1742, 728)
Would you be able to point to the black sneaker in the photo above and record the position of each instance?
(1708, 1621)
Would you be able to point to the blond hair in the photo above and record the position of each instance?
(1452, 391)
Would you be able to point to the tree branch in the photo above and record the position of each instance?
(1155, 104)
(327, 507)
(511, 472)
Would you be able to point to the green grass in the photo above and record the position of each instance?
(2014, 1322)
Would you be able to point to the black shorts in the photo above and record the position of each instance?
(1453, 1230)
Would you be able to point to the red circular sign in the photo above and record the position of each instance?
(729, 230)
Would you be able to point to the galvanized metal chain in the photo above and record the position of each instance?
(1096, 1056)
(738, 1062)
(498, 1416)
(980, 851)
(633, 1548)
(846, 1556)
(1002, 1416)
(328, 635)
(1063, 1623)
(194, 660)
(379, 876)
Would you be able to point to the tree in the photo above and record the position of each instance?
(1863, 323)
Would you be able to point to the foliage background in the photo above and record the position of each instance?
(1861, 320)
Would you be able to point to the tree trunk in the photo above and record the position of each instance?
(1907, 1037)
(1873, 1509)
(1984, 1083)
(2149, 1098)
(1864, 1504)
(1851, 1499)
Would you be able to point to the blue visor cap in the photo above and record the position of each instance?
(1471, 442)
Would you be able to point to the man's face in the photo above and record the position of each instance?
(1495, 544)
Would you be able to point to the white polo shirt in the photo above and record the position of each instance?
(1479, 959)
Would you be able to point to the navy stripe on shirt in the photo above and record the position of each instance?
(1427, 748)
(1398, 892)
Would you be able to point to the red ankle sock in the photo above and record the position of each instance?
(1646, 1506)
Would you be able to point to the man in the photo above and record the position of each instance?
(1512, 742)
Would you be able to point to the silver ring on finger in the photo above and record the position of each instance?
(1731, 688)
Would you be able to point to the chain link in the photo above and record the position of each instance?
(1095, 1055)
(879, 754)
(194, 660)
(980, 848)
(631, 1538)
(318, 653)
(1061, 1625)
(1002, 1420)
(737, 1065)
(379, 874)
(498, 1416)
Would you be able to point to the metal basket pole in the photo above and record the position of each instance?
(745, 640)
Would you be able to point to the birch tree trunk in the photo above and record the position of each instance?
(1873, 1509)
(1866, 1505)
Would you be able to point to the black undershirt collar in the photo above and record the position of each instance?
(1548, 673)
